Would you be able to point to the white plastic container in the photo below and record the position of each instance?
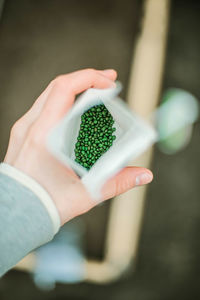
(133, 136)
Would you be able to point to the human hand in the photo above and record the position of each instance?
(27, 150)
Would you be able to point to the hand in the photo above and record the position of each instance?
(27, 151)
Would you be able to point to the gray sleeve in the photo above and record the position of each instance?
(24, 223)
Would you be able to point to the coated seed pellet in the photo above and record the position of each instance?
(95, 135)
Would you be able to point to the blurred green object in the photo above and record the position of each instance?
(175, 117)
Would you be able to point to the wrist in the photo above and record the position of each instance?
(37, 189)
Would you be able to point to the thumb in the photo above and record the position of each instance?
(126, 179)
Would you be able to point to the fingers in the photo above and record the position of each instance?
(104, 79)
(126, 179)
(34, 112)
(37, 107)
(110, 73)
(88, 78)
(66, 87)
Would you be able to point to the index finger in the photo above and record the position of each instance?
(66, 87)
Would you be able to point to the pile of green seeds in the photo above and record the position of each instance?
(95, 135)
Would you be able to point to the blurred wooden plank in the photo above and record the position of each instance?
(143, 96)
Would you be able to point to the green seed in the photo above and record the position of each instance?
(95, 135)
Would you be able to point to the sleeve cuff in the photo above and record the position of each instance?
(37, 189)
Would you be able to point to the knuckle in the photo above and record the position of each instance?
(58, 78)
(91, 71)
(122, 186)
(115, 187)
(118, 187)
(59, 81)
(17, 129)
(36, 137)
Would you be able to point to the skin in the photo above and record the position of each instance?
(27, 151)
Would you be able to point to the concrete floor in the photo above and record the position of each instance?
(41, 39)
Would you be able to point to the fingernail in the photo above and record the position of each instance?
(143, 178)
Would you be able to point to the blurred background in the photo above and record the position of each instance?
(41, 39)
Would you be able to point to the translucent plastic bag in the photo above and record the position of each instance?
(133, 136)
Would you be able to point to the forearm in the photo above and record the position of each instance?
(25, 222)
